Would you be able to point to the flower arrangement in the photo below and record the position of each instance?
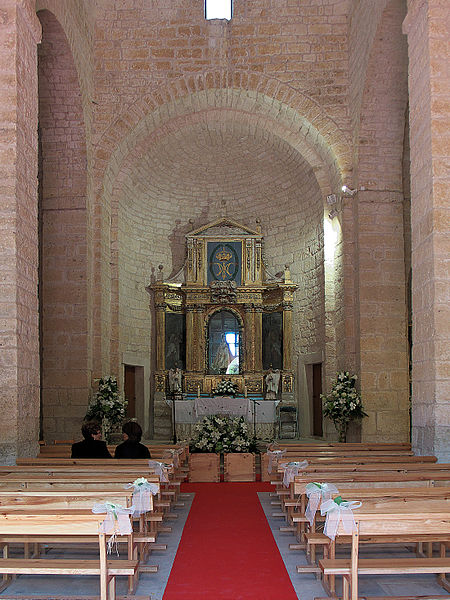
(343, 403)
(225, 388)
(222, 434)
(107, 407)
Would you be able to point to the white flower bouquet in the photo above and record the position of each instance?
(222, 434)
(108, 406)
(343, 403)
(225, 388)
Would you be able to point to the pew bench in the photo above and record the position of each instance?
(72, 525)
(393, 519)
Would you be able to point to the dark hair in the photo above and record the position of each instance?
(133, 431)
(90, 428)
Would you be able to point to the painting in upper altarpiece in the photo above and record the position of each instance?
(272, 340)
(225, 261)
(175, 342)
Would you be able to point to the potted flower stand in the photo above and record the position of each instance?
(239, 466)
(204, 466)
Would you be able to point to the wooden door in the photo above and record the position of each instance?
(130, 390)
(316, 399)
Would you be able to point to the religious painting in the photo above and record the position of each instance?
(224, 261)
(175, 341)
(272, 340)
(223, 344)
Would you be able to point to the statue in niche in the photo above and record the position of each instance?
(175, 383)
(223, 357)
(272, 381)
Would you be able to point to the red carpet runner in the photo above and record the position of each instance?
(227, 551)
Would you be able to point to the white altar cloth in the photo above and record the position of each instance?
(192, 411)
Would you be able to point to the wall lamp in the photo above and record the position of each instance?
(347, 191)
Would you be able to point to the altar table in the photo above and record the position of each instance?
(192, 411)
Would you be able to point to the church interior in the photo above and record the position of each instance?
(255, 199)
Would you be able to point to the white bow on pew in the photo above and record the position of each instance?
(338, 510)
(274, 454)
(160, 470)
(142, 492)
(291, 469)
(317, 493)
(117, 521)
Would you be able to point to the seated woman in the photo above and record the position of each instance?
(131, 446)
(92, 446)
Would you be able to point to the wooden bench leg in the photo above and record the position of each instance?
(442, 577)
(345, 587)
(112, 589)
(6, 579)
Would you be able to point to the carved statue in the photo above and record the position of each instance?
(272, 381)
(175, 385)
(223, 357)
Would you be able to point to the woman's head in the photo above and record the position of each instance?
(91, 430)
(133, 431)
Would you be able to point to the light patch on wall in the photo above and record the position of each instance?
(330, 239)
(218, 9)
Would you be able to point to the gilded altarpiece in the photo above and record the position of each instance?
(225, 299)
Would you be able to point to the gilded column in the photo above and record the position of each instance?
(189, 338)
(160, 335)
(287, 335)
(249, 339)
(258, 338)
(198, 342)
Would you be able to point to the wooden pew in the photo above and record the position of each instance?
(342, 480)
(388, 519)
(157, 451)
(355, 456)
(365, 495)
(79, 502)
(24, 526)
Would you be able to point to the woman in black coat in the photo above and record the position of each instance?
(92, 446)
(131, 446)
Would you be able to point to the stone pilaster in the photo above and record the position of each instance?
(427, 27)
(19, 373)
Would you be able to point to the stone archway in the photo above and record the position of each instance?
(65, 376)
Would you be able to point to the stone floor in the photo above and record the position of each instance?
(151, 586)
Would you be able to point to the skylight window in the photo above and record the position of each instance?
(218, 9)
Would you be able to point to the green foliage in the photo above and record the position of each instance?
(222, 434)
(107, 406)
(343, 403)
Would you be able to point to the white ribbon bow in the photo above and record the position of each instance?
(160, 470)
(174, 454)
(142, 492)
(117, 521)
(274, 455)
(317, 492)
(291, 469)
(338, 510)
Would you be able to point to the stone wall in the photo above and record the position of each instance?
(63, 273)
(19, 373)
(427, 27)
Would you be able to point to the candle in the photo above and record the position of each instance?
(198, 391)
(245, 391)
